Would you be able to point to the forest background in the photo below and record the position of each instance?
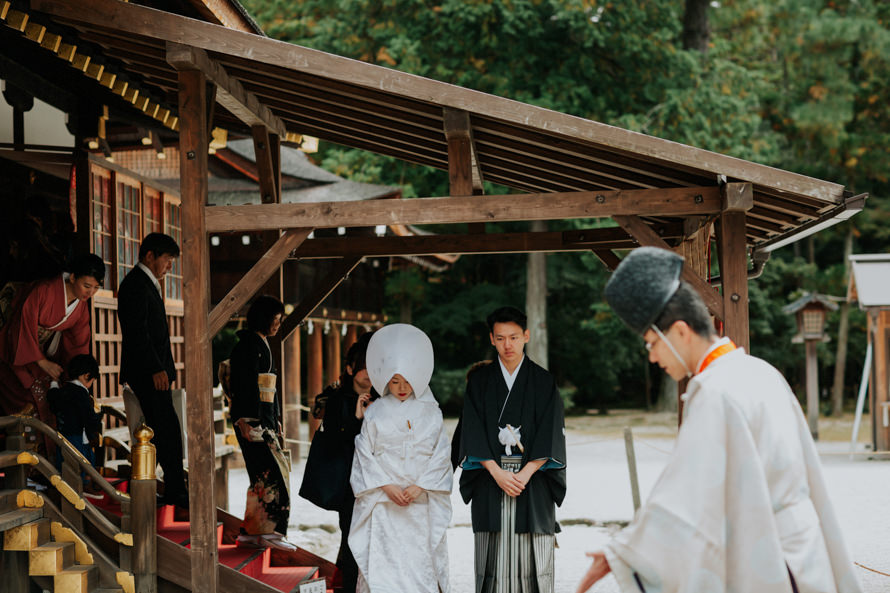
(801, 85)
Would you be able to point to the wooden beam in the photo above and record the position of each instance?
(230, 94)
(548, 242)
(608, 257)
(511, 207)
(193, 140)
(156, 24)
(265, 163)
(737, 199)
(647, 237)
(319, 293)
(268, 264)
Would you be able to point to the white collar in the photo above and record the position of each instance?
(151, 275)
(509, 379)
(78, 383)
(714, 346)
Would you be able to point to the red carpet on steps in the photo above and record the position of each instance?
(255, 563)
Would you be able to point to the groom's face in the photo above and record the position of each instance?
(509, 339)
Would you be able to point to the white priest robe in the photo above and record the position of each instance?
(401, 549)
(742, 500)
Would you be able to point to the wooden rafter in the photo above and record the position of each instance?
(512, 207)
(264, 148)
(230, 93)
(464, 174)
(254, 279)
(555, 241)
(321, 291)
(646, 236)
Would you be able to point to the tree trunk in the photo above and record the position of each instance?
(840, 365)
(696, 30)
(536, 301)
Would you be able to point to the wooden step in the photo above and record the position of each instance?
(106, 590)
(50, 559)
(24, 530)
(247, 561)
(76, 579)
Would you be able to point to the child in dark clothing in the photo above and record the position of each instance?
(76, 418)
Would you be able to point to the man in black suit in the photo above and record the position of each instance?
(147, 359)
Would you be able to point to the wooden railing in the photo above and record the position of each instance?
(135, 539)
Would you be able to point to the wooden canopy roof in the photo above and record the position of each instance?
(293, 90)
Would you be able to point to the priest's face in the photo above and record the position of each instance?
(660, 352)
(509, 339)
(399, 387)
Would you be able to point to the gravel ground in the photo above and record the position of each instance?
(599, 498)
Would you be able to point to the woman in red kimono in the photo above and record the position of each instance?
(50, 323)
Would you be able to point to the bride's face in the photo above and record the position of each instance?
(399, 387)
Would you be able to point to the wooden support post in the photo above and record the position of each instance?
(332, 354)
(292, 395)
(315, 376)
(880, 392)
(143, 512)
(193, 145)
(812, 387)
(738, 198)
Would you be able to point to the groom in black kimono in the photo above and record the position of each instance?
(517, 392)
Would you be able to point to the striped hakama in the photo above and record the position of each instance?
(510, 562)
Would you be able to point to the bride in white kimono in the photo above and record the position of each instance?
(401, 471)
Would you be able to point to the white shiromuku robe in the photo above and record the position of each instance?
(742, 500)
(401, 549)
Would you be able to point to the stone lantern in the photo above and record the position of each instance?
(810, 310)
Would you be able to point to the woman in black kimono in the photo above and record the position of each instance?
(255, 413)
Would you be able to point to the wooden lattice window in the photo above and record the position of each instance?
(102, 208)
(152, 210)
(173, 227)
(129, 225)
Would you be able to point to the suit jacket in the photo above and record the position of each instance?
(145, 335)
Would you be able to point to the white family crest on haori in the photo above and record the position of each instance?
(510, 437)
(403, 443)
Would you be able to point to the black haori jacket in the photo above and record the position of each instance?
(534, 405)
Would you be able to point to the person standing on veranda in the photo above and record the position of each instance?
(741, 505)
(256, 416)
(147, 359)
